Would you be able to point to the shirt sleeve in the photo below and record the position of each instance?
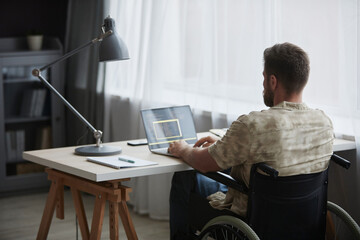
(234, 148)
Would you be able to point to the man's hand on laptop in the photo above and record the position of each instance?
(198, 156)
(206, 141)
(178, 147)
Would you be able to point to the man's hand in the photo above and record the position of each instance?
(178, 148)
(197, 157)
(205, 141)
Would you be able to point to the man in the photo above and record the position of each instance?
(289, 136)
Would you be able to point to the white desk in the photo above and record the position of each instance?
(343, 145)
(68, 169)
(64, 159)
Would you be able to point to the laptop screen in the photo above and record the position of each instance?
(165, 125)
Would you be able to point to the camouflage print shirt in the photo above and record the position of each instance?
(290, 137)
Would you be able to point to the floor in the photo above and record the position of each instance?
(20, 217)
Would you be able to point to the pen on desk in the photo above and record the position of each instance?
(126, 160)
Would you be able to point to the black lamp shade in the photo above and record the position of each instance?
(112, 48)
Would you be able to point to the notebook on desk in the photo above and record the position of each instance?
(122, 161)
(165, 125)
(220, 132)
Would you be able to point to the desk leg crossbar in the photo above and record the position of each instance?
(112, 191)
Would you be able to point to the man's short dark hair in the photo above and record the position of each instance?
(290, 64)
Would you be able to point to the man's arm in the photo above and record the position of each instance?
(198, 156)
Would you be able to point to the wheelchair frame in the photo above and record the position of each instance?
(238, 229)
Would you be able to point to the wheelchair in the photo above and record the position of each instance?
(282, 207)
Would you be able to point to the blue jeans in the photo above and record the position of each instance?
(183, 184)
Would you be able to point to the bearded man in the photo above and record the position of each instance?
(289, 136)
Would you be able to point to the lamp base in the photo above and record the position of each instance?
(97, 151)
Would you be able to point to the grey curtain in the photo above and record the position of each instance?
(83, 88)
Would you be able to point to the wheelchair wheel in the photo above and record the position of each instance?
(227, 227)
(341, 225)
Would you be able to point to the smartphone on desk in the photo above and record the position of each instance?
(137, 142)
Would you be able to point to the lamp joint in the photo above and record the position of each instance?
(97, 136)
(36, 72)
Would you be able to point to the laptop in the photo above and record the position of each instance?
(166, 125)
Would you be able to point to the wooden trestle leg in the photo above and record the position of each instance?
(116, 194)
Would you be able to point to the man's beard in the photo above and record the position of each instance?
(268, 96)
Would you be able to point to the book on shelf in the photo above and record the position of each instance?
(15, 145)
(43, 138)
(27, 167)
(33, 102)
(26, 103)
(39, 102)
(10, 146)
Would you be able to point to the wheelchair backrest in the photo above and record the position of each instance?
(292, 207)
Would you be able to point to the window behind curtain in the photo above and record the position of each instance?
(209, 53)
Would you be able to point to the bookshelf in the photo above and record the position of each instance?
(30, 117)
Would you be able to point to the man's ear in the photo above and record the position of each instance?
(273, 82)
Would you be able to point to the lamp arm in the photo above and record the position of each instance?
(69, 54)
(37, 73)
(97, 133)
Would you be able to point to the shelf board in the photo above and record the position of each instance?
(14, 120)
(21, 80)
(17, 161)
(25, 176)
(18, 47)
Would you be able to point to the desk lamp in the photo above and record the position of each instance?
(112, 48)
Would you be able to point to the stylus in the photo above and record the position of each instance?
(126, 160)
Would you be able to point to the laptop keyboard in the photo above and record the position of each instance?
(162, 151)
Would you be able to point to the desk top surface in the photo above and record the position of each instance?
(65, 160)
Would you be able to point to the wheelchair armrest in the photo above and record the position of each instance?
(272, 172)
(341, 161)
(227, 180)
